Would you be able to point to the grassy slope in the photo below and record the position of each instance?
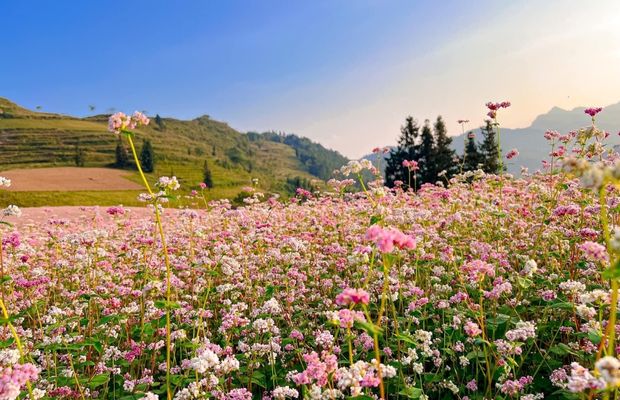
(31, 139)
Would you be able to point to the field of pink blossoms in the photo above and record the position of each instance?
(491, 287)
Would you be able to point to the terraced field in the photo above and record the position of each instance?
(41, 140)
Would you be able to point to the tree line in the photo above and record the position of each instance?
(425, 155)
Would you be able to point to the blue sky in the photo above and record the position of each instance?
(345, 73)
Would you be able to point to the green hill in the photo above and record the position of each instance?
(30, 139)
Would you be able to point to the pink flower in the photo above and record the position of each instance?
(139, 119)
(119, 121)
(477, 269)
(116, 210)
(13, 379)
(387, 238)
(594, 251)
(352, 296)
(472, 329)
(348, 317)
(512, 154)
(494, 107)
(412, 165)
(550, 135)
(592, 111)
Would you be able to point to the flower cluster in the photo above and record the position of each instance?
(120, 122)
(494, 107)
(387, 239)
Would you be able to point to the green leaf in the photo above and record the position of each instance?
(524, 282)
(594, 337)
(99, 380)
(369, 327)
(374, 219)
(98, 346)
(163, 304)
(406, 338)
(563, 305)
(561, 349)
(411, 392)
(499, 319)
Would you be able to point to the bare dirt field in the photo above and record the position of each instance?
(69, 179)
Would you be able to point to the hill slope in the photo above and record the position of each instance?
(31, 139)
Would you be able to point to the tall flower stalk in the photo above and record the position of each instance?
(121, 124)
(462, 122)
(493, 109)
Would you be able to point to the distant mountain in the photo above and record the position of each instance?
(532, 146)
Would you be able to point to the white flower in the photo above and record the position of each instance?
(206, 361)
(4, 181)
(12, 211)
(609, 369)
(282, 392)
(166, 183)
(9, 357)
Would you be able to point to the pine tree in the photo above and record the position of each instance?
(160, 122)
(444, 156)
(407, 149)
(428, 169)
(488, 149)
(122, 157)
(206, 175)
(147, 157)
(472, 156)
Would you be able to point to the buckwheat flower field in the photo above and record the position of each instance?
(483, 287)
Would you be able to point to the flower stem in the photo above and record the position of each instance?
(167, 262)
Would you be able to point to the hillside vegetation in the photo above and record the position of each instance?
(32, 139)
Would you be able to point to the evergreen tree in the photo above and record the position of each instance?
(122, 157)
(160, 122)
(443, 156)
(147, 157)
(472, 156)
(428, 168)
(407, 149)
(206, 175)
(488, 149)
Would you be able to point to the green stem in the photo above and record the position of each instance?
(611, 325)
(167, 262)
